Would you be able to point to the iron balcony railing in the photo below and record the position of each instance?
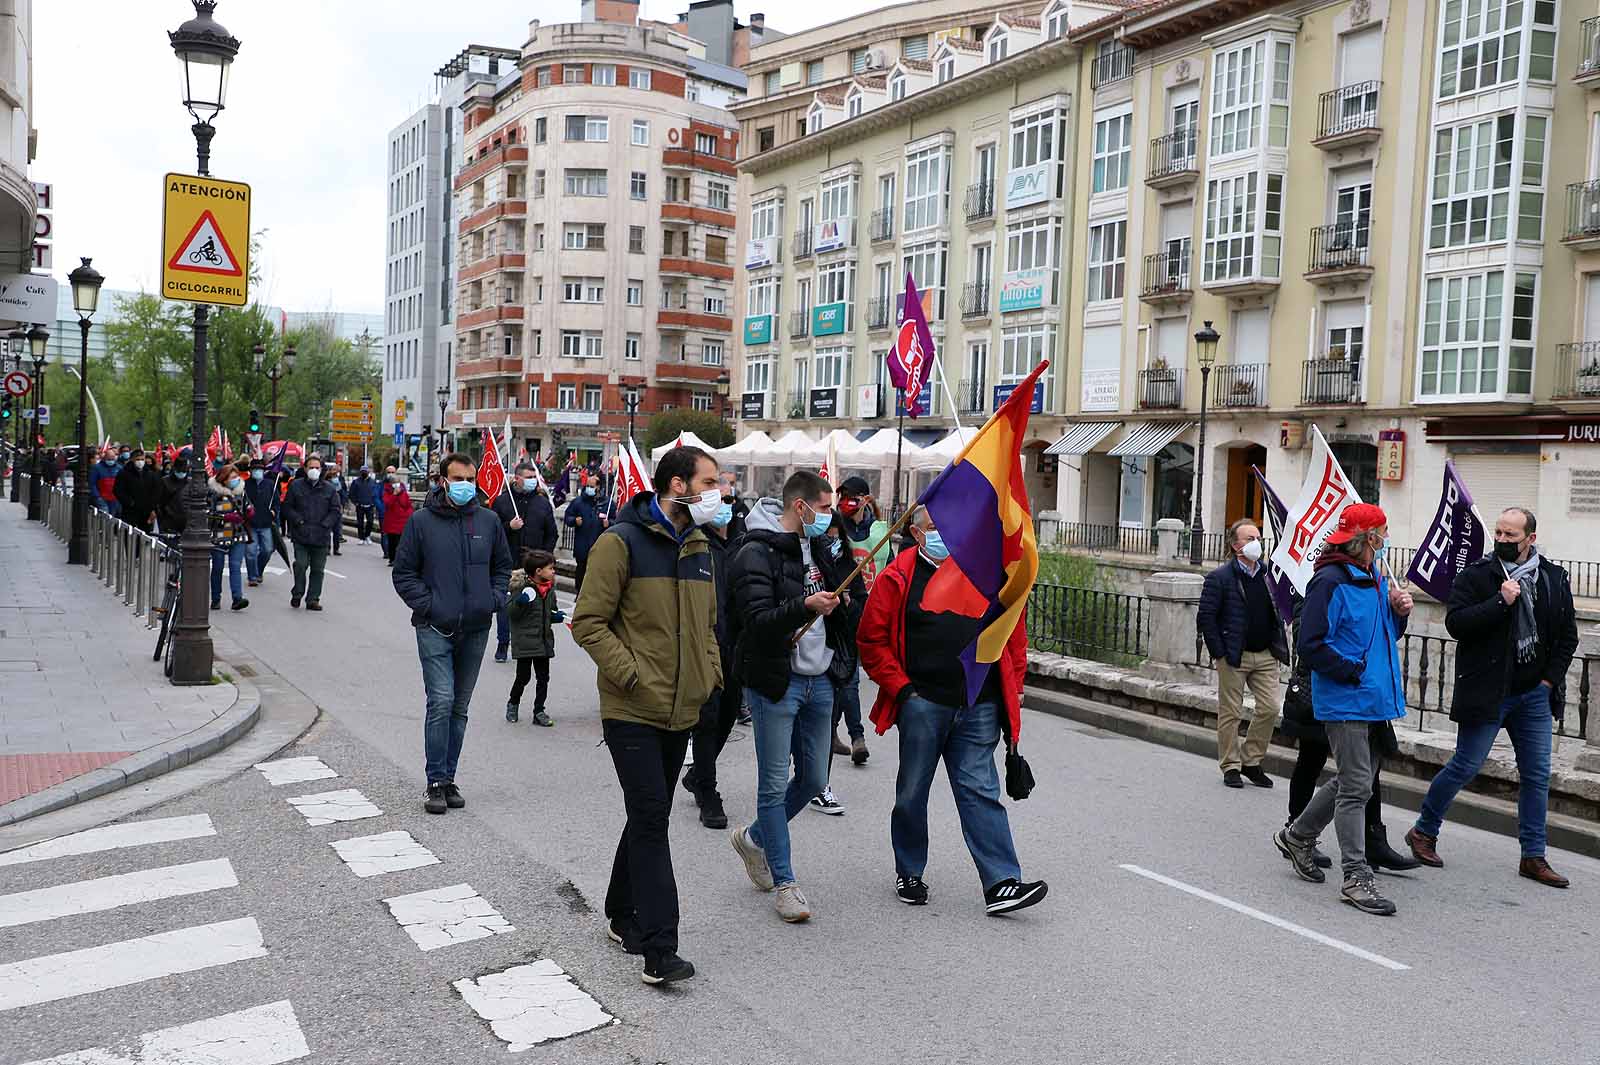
(879, 312)
(1161, 388)
(1088, 623)
(1175, 152)
(880, 225)
(1341, 245)
(1332, 379)
(1239, 385)
(800, 243)
(975, 299)
(1583, 211)
(1166, 272)
(1578, 370)
(1348, 109)
(799, 324)
(1113, 65)
(1589, 43)
(1121, 539)
(797, 403)
(972, 397)
(980, 201)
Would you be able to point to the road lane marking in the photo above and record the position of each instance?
(262, 1035)
(387, 852)
(51, 977)
(447, 915)
(275, 571)
(294, 770)
(326, 807)
(530, 1004)
(113, 837)
(1276, 922)
(330, 573)
(112, 892)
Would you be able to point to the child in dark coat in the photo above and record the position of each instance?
(533, 613)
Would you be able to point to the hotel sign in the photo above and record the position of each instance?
(1029, 184)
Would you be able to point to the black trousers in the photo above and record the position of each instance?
(711, 735)
(583, 564)
(647, 761)
(540, 666)
(1308, 764)
(390, 542)
(364, 521)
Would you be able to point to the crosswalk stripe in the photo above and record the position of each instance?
(529, 1004)
(51, 977)
(113, 837)
(110, 892)
(447, 915)
(387, 852)
(294, 770)
(262, 1035)
(326, 807)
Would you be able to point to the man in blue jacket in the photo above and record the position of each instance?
(1349, 628)
(364, 495)
(583, 517)
(262, 492)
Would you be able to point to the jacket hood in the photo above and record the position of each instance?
(223, 490)
(438, 501)
(764, 523)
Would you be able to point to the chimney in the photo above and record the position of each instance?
(758, 23)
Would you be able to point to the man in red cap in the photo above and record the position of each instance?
(1349, 630)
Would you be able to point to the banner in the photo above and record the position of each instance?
(912, 353)
(1455, 539)
(1323, 497)
(491, 474)
(1277, 518)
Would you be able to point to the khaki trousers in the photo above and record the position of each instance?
(1259, 670)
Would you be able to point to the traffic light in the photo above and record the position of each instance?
(5, 410)
(255, 420)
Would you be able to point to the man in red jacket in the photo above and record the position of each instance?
(919, 618)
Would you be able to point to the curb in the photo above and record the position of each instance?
(140, 766)
(1469, 808)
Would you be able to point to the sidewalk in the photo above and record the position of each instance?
(83, 709)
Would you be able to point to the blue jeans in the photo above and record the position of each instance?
(966, 740)
(449, 673)
(502, 628)
(233, 559)
(1527, 719)
(260, 552)
(798, 726)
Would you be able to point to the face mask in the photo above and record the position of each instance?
(1507, 550)
(138, 464)
(849, 507)
(818, 525)
(123, 456)
(529, 484)
(181, 476)
(723, 515)
(235, 483)
(462, 492)
(703, 507)
(336, 482)
(256, 475)
(588, 493)
(1252, 551)
(1377, 552)
(933, 546)
(314, 473)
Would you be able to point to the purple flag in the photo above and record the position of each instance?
(1277, 581)
(1454, 539)
(912, 354)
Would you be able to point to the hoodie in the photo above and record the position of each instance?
(811, 656)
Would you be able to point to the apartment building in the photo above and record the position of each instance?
(596, 209)
(18, 200)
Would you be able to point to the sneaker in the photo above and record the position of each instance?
(1301, 853)
(744, 717)
(665, 969)
(435, 803)
(625, 933)
(216, 604)
(755, 859)
(791, 904)
(1257, 776)
(511, 712)
(858, 750)
(313, 604)
(1012, 894)
(502, 653)
(827, 803)
(1361, 891)
(294, 601)
(712, 815)
(239, 604)
(542, 719)
(1232, 779)
(453, 796)
(911, 889)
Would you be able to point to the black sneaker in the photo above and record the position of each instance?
(1257, 776)
(665, 969)
(435, 803)
(216, 604)
(501, 653)
(911, 889)
(1012, 894)
(1232, 779)
(625, 933)
(712, 815)
(240, 604)
(1361, 891)
(690, 786)
(452, 795)
(542, 719)
(511, 712)
(294, 601)
(1302, 853)
(744, 716)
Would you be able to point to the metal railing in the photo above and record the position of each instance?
(801, 244)
(799, 324)
(880, 225)
(1166, 272)
(1087, 623)
(1330, 381)
(980, 201)
(878, 308)
(1583, 210)
(1428, 664)
(1175, 152)
(1160, 389)
(1348, 109)
(1589, 42)
(131, 563)
(1125, 540)
(1340, 246)
(975, 299)
(797, 403)
(1239, 385)
(1577, 370)
(971, 397)
(1113, 65)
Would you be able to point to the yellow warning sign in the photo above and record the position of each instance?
(205, 247)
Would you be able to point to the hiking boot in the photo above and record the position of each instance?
(625, 933)
(542, 719)
(502, 653)
(755, 859)
(665, 969)
(1257, 776)
(511, 712)
(453, 796)
(791, 904)
(858, 750)
(435, 802)
(1382, 856)
(827, 803)
(1302, 852)
(911, 890)
(1537, 869)
(1361, 891)
(1422, 848)
(839, 746)
(712, 815)
(1232, 779)
(1012, 894)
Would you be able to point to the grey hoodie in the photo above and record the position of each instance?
(811, 656)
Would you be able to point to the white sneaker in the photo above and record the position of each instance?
(828, 803)
(755, 859)
(791, 904)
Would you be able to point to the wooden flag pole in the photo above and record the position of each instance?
(899, 524)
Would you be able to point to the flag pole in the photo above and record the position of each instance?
(899, 448)
(899, 524)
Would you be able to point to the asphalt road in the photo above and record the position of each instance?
(1173, 932)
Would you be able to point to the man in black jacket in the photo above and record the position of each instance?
(1511, 614)
(1242, 630)
(451, 567)
(312, 513)
(170, 510)
(530, 525)
(138, 491)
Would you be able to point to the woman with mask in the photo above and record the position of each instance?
(230, 535)
(397, 508)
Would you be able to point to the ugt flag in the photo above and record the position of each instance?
(1454, 539)
(980, 505)
(1277, 518)
(1323, 497)
(912, 354)
(491, 472)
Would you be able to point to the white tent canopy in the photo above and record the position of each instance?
(938, 455)
(752, 450)
(687, 439)
(798, 449)
(881, 447)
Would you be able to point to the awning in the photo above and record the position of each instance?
(1081, 438)
(1148, 438)
(924, 437)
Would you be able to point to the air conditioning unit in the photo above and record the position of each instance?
(876, 59)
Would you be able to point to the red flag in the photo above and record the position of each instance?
(626, 483)
(213, 446)
(491, 473)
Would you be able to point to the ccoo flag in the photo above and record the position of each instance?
(980, 505)
(1454, 539)
(912, 354)
(491, 472)
(1323, 497)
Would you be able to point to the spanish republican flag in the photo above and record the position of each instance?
(979, 504)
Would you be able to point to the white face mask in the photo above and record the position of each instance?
(138, 464)
(314, 473)
(703, 507)
(1252, 551)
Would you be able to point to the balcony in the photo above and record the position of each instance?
(492, 264)
(1578, 371)
(799, 324)
(1166, 278)
(1340, 252)
(972, 397)
(483, 215)
(688, 158)
(1348, 116)
(1111, 66)
(511, 153)
(1174, 158)
(681, 321)
(502, 312)
(980, 201)
(683, 372)
(878, 312)
(1160, 389)
(801, 244)
(795, 406)
(693, 214)
(880, 226)
(975, 300)
(1583, 216)
(677, 265)
(1239, 385)
(1589, 56)
(1331, 381)
(472, 367)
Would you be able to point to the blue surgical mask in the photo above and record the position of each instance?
(723, 515)
(1378, 551)
(933, 546)
(818, 525)
(462, 492)
(588, 493)
(235, 483)
(256, 475)
(529, 484)
(181, 476)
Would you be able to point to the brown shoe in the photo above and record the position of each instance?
(1422, 848)
(839, 746)
(1539, 869)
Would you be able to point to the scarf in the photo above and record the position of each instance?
(1523, 627)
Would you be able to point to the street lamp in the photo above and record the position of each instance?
(85, 281)
(630, 403)
(38, 342)
(1205, 353)
(723, 384)
(282, 367)
(15, 340)
(444, 401)
(206, 52)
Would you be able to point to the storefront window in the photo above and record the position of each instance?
(1173, 478)
(1360, 464)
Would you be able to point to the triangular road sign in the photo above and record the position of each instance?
(205, 250)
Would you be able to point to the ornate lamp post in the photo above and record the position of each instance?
(86, 282)
(723, 384)
(444, 402)
(630, 403)
(206, 52)
(16, 339)
(281, 367)
(38, 343)
(1205, 353)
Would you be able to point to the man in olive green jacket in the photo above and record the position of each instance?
(647, 616)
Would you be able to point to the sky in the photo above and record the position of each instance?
(315, 90)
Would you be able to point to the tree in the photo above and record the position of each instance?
(665, 427)
(326, 368)
(152, 343)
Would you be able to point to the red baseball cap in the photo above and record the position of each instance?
(1356, 519)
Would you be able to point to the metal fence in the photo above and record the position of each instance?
(1087, 623)
(1127, 540)
(132, 563)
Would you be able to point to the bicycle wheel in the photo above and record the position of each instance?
(169, 604)
(166, 662)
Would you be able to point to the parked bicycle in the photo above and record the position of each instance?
(169, 602)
